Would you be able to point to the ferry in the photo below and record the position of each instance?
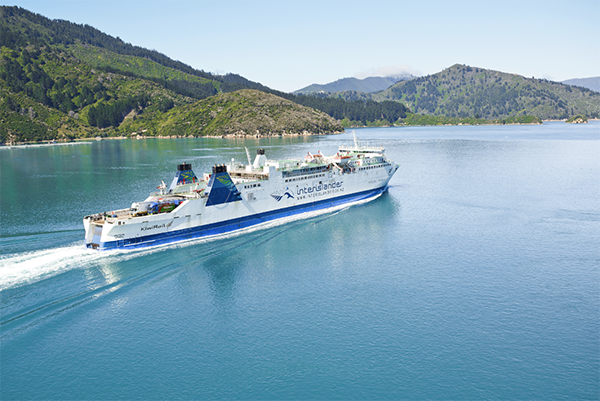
(236, 196)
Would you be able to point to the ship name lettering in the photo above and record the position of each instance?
(319, 188)
(152, 227)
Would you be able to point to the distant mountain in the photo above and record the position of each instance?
(464, 91)
(590, 83)
(366, 85)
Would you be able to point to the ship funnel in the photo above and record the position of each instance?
(221, 188)
(184, 175)
(260, 159)
(219, 168)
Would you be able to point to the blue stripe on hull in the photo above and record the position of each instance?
(235, 224)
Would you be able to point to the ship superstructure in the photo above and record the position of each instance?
(236, 196)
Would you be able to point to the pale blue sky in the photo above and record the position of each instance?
(287, 45)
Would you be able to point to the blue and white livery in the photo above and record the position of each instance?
(237, 196)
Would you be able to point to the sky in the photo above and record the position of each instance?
(287, 45)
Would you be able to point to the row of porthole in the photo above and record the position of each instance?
(370, 167)
(304, 178)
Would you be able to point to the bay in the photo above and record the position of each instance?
(475, 276)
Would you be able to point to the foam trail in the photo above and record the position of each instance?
(17, 269)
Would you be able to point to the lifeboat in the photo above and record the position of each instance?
(341, 159)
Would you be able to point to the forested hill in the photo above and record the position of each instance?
(464, 91)
(247, 112)
(20, 28)
(63, 80)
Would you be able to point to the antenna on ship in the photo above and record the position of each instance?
(355, 139)
(248, 154)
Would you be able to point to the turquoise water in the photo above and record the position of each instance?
(476, 276)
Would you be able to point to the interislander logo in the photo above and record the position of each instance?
(321, 188)
(287, 194)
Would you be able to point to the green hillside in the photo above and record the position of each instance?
(247, 112)
(47, 93)
(92, 84)
(61, 81)
(179, 81)
(463, 91)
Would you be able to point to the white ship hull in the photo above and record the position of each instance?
(262, 194)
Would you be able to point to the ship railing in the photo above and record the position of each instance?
(362, 149)
(115, 215)
(98, 217)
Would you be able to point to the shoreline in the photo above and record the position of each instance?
(135, 136)
(43, 145)
(78, 141)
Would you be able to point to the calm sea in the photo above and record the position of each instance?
(476, 276)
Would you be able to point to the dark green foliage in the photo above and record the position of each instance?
(193, 89)
(31, 79)
(234, 82)
(112, 114)
(11, 39)
(164, 105)
(33, 131)
(20, 118)
(357, 110)
(66, 33)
